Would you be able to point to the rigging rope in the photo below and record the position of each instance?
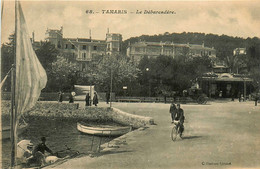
(3, 81)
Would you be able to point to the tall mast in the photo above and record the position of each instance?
(13, 106)
(2, 11)
(111, 83)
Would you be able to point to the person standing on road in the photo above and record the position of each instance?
(95, 99)
(180, 117)
(71, 98)
(60, 96)
(256, 100)
(173, 111)
(107, 96)
(87, 99)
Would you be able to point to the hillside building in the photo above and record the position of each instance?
(114, 43)
(138, 50)
(85, 50)
(239, 51)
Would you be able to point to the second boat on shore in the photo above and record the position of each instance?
(104, 130)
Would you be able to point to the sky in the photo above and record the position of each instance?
(231, 18)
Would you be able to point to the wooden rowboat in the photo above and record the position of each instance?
(103, 130)
(6, 131)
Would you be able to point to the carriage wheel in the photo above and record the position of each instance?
(201, 100)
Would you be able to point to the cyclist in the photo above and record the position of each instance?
(179, 116)
(173, 110)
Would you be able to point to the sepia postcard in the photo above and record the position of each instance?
(130, 84)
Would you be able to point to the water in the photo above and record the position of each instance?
(58, 134)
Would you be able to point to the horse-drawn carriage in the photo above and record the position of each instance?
(192, 95)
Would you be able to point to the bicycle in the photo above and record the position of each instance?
(175, 130)
(202, 100)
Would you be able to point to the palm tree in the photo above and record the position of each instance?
(236, 62)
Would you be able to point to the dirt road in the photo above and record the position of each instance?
(217, 135)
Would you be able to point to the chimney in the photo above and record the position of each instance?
(107, 30)
(61, 29)
(33, 37)
(90, 34)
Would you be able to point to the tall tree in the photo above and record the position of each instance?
(166, 74)
(236, 62)
(62, 75)
(7, 60)
(119, 67)
(253, 54)
(47, 53)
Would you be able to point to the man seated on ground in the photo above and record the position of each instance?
(180, 117)
(38, 153)
(24, 151)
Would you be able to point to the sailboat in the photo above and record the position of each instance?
(28, 78)
(6, 130)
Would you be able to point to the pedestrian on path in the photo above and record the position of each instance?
(71, 98)
(87, 100)
(95, 99)
(107, 96)
(60, 96)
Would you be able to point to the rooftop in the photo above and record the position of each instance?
(193, 46)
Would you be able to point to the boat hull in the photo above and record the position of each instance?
(6, 131)
(103, 131)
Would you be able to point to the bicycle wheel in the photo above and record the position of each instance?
(205, 102)
(200, 100)
(174, 133)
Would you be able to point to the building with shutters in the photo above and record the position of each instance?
(138, 50)
(85, 50)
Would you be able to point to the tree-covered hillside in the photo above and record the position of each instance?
(223, 44)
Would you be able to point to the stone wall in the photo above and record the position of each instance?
(42, 106)
(125, 118)
(70, 110)
(51, 96)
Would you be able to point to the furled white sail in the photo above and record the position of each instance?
(31, 77)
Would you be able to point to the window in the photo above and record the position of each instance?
(209, 52)
(84, 47)
(72, 47)
(83, 66)
(115, 38)
(59, 45)
(138, 49)
(154, 50)
(84, 56)
(94, 47)
(66, 46)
